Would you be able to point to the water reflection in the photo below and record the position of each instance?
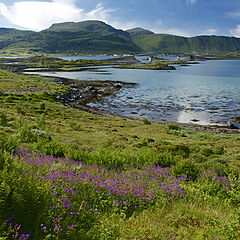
(207, 93)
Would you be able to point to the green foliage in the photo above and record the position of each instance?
(75, 126)
(43, 106)
(3, 119)
(6, 162)
(20, 110)
(185, 167)
(8, 143)
(206, 151)
(24, 198)
(175, 149)
(218, 150)
(26, 134)
(41, 121)
(146, 121)
(173, 127)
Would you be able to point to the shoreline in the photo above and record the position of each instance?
(96, 91)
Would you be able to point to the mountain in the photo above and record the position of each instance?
(167, 43)
(139, 31)
(88, 37)
(96, 37)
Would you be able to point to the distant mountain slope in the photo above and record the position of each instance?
(90, 37)
(139, 31)
(171, 43)
(10, 35)
(96, 37)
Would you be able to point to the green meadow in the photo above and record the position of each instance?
(69, 174)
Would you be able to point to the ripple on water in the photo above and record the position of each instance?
(208, 92)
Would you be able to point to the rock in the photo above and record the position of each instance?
(90, 88)
(118, 85)
(232, 125)
(1, 94)
(73, 86)
(194, 120)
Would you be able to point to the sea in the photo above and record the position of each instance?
(207, 93)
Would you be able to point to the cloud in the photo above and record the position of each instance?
(41, 15)
(191, 1)
(234, 14)
(210, 31)
(235, 32)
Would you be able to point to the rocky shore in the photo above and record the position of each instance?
(83, 92)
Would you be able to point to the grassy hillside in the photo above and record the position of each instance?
(89, 37)
(68, 174)
(95, 37)
(175, 44)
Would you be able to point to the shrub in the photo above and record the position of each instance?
(27, 135)
(9, 144)
(185, 167)
(146, 121)
(178, 149)
(3, 119)
(41, 121)
(205, 151)
(173, 127)
(218, 150)
(75, 126)
(20, 110)
(43, 106)
(24, 198)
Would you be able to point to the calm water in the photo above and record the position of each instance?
(205, 93)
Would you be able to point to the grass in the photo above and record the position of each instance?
(84, 176)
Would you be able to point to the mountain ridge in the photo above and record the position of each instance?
(97, 37)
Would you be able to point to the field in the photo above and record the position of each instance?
(69, 174)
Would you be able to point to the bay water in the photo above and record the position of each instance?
(205, 93)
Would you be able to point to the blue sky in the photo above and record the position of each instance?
(180, 17)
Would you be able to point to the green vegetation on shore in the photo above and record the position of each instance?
(157, 65)
(69, 174)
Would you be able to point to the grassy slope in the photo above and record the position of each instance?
(201, 214)
(176, 44)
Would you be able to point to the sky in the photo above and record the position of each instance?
(179, 17)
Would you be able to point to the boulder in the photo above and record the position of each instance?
(232, 125)
(73, 86)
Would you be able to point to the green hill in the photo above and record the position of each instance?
(176, 44)
(89, 37)
(96, 37)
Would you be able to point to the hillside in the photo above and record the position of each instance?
(89, 37)
(96, 37)
(69, 174)
(170, 43)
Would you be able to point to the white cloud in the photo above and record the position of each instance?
(235, 32)
(191, 1)
(40, 15)
(210, 31)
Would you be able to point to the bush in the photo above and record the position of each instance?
(3, 119)
(75, 126)
(178, 149)
(146, 121)
(173, 127)
(9, 144)
(41, 121)
(205, 151)
(218, 150)
(42, 106)
(185, 167)
(24, 198)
